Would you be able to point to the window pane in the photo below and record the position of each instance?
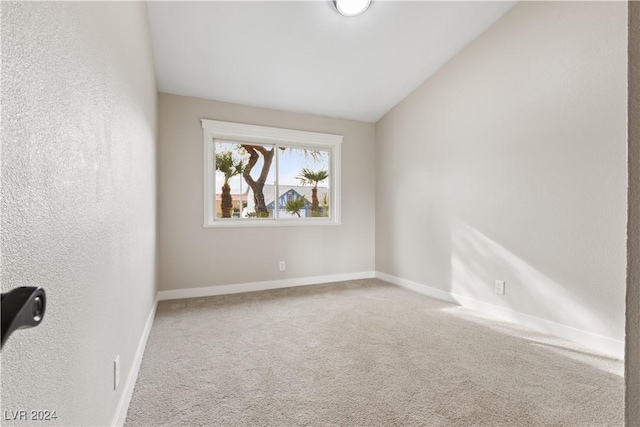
(238, 196)
(229, 186)
(303, 183)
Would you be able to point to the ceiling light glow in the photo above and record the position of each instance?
(351, 7)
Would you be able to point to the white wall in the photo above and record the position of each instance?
(78, 200)
(632, 360)
(191, 256)
(509, 164)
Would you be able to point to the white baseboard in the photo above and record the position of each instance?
(417, 287)
(127, 390)
(260, 286)
(599, 343)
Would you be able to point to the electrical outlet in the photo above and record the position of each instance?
(499, 287)
(282, 268)
(116, 372)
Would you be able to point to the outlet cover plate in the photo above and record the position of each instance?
(116, 372)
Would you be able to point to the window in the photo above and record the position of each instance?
(263, 176)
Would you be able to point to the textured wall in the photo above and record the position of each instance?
(510, 163)
(191, 256)
(78, 200)
(632, 366)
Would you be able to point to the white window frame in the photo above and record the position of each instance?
(243, 133)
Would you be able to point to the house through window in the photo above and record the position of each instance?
(256, 175)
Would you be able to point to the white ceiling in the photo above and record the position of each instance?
(305, 57)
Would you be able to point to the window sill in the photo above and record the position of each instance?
(307, 222)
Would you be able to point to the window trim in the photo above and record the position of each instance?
(245, 133)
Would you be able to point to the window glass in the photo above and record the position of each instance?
(303, 182)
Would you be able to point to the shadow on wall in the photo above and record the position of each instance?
(477, 261)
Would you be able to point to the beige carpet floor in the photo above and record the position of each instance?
(362, 353)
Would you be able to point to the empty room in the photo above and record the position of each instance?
(320, 213)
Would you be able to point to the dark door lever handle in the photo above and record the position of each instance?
(22, 308)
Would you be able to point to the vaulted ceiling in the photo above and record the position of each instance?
(303, 56)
